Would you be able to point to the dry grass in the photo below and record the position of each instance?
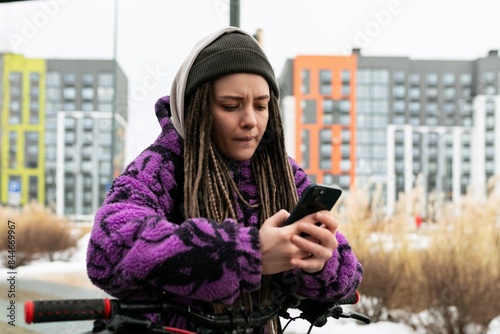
(38, 233)
(457, 273)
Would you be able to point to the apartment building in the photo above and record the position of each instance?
(22, 100)
(63, 126)
(430, 118)
(318, 105)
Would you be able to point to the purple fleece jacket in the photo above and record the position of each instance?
(141, 247)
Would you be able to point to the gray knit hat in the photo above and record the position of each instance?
(232, 52)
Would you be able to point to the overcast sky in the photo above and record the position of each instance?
(154, 36)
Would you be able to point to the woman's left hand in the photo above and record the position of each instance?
(319, 242)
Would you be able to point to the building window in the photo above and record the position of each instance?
(105, 107)
(34, 85)
(345, 106)
(53, 93)
(86, 152)
(105, 94)
(431, 108)
(69, 93)
(431, 79)
(329, 178)
(490, 90)
(31, 149)
(346, 82)
(414, 93)
(15, 84)
(33, 188)
(34, 112)
(399, 119)
(87, 93)
(305, 148)
(306, 81)
(344, 181)
(345, 136)
(53, 79)
(345, 165)
(12, 149)
(329, 111)
(104, 167)
(449, 79)
(466, 79)
(325, 82)
(346, 89)
(415, 79)
(345, 150)
(88, 123)
(69, 106)
(398, 91)
(325, 135)
(87, 106)
(380, 92)
(15, 79)
(449, 93)
(399, 76)
(380, 76)
(87, 79)
(105, 79)
(431, 120)
(345, 120)
(489, 77)
(69, 138)
(309, 111)
(346, 76)
(69, 79)
(490, 107)
(15, 112)
(325, 149)
(399, 106)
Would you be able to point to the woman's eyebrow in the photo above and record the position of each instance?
(240, 98)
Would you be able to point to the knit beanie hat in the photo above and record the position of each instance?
(225, 51)
(232, 52)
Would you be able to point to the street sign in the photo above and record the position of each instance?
(14, 193)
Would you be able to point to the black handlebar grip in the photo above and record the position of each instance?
(350, 300)
(66, 310)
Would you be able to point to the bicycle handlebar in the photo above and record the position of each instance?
(95, 309)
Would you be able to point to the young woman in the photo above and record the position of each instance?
(197, 217)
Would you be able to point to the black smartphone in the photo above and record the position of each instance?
(314, 198)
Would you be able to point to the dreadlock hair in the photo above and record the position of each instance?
(209, 190)
(208, 186)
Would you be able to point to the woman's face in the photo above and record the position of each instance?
(241, 113)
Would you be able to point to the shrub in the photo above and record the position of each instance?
(449, 278)
(39, 233)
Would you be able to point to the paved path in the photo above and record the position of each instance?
(40, 290)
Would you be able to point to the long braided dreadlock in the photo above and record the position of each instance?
(208, 186)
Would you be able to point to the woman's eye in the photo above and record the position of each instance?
(230, 107)
(261, 107)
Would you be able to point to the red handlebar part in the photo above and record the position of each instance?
(66, 310)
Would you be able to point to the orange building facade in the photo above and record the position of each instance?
(323, 128)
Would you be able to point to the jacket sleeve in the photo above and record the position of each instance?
(341, 274)
(137, 245)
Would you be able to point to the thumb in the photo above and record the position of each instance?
(279, 218)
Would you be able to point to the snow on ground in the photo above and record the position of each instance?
(73, 272)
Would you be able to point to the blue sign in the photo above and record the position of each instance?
(14, 192)
(14, 186)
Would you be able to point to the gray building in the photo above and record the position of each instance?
(435, 116)
(86, 118)
(419, 124)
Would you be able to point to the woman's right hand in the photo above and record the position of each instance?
(283, 248)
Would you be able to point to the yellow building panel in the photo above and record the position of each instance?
(25, 66)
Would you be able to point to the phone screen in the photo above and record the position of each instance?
(315, 198)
